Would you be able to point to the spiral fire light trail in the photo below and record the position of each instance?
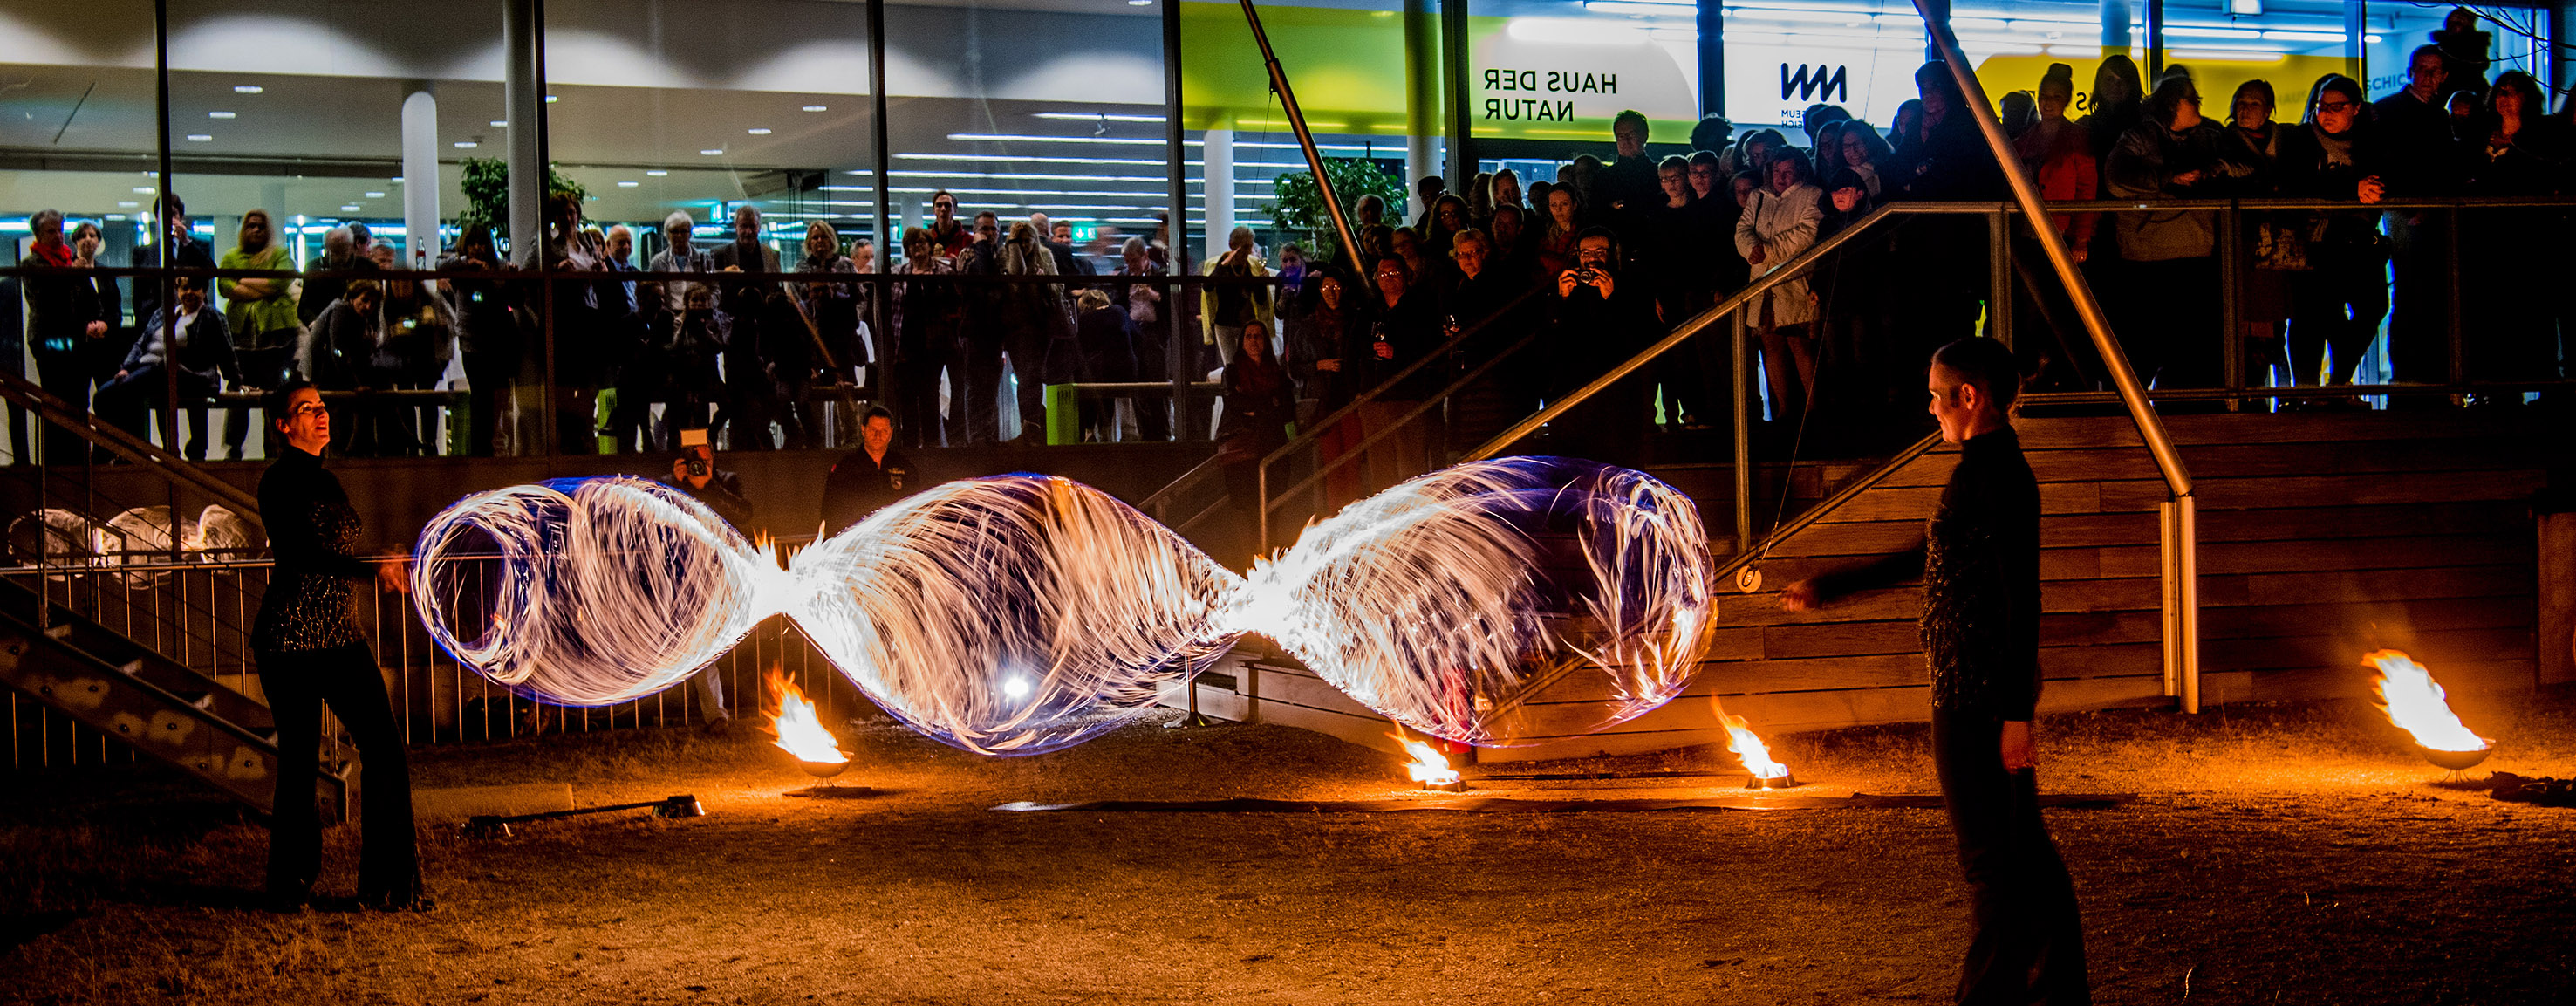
(1007, 615)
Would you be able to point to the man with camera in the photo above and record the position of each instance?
(694, 474)
(1601, 321)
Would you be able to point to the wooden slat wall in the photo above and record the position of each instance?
(2322, 536)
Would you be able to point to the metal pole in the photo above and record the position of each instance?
(888, 242)
(1743, 383)
(1999, 279)
(1297, 122)
(2183, 623)
(1176, 251)
(1453, 91)
(2455, 347)
(2231, 301)
(2132, 394)
(169, 299)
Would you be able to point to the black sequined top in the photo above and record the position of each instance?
(313, 531)
(1980, 565)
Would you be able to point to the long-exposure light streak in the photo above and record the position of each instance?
(1009, 615)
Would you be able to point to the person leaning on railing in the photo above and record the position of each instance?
(262, 314)
(2339, 292)
(924, 317)
(2524, 155)
(65, 315)
(492, 333)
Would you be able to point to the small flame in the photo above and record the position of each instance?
(2415, 703)
(1428, 764)
(1755, 754)
(800, 730)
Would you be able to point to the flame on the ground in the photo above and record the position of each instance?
(799, 728)
(2415, 703)
(1755, 754)
(1428, 764)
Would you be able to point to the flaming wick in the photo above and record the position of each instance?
(1428, 767)
(1755, 754)
(2415, 702)
(799, 728)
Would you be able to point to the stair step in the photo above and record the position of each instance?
(59, 630)
(134, 666)
(203, 701)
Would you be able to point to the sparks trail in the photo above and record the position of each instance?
(999, 615)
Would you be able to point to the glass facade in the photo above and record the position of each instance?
(395, 116)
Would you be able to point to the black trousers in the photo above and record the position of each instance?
(2029, 946)
(64, 375)
(261, 369)
(299, 684)
(128, 403)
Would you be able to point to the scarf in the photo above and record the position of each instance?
(2338, 148)
(59, 256)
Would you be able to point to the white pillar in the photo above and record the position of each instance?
(1422, 118)
(1219, 187)
(420, 174)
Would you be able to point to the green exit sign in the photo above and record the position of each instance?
(1085, 232)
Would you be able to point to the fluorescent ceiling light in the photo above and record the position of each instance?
(500, 123)
(818, 108)
(143, 190)
(758, 130)
(550, 99)
(397, 179)
(128, 204)
(657, 173)
(1098, 116)
(1594, 32)
(200, 138)
(1031, 158)
(466, 144)
(247, 89)
(628, 185)
(375, 195)
(711, 153)
(219, 115)
(349, 209)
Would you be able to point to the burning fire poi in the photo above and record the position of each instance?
(2416, 704)
(800, 730)
(1755, 754)
(1428, 767)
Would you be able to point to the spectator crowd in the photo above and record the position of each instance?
(1536, 286)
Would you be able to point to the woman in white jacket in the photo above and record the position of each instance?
(1778, 224)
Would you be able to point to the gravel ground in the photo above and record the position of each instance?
(2273, 854)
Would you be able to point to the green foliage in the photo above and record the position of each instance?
(487, 193)
(1298, 203)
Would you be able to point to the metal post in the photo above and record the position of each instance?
(1177, 252)
(2231, 300)
(169, 299)
(1297, 122)
(1999, 278)
(2178, 522)
(881, 314)
(1453, 92)
(2155, 42)
(2183, 639)
(2456, 346)
(1737, 373)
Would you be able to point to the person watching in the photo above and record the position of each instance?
(868, 478)
(205, 355)
(694, 474)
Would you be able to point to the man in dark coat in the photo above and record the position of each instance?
(868, 478)
(1979, 561)
(694, 474)
(2418, 158)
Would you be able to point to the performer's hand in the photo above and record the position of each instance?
(2017, 751)
(1799, 596)
(393, 575)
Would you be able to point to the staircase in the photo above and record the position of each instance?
(157, 701)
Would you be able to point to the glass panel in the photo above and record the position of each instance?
(80, 142)
(1021, 108)
(296, 120)
(753, 119)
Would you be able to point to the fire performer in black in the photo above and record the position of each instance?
(1980, 566)
(311, 652)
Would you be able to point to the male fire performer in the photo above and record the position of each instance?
(1980, 566)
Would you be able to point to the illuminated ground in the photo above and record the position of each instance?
(2291, 855)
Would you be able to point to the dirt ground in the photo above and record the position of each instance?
(2277, 854)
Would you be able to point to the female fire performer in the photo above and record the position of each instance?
(1980, 566)
(311, 652)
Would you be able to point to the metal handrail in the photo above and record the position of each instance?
(26, 394)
